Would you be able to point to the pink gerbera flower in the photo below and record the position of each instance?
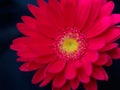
(68, 41)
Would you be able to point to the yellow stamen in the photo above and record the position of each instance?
(69, 45)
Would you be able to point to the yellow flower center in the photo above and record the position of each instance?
(69, 45)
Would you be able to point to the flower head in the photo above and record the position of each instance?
(68, 41)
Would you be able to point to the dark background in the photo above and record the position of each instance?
(10, 76)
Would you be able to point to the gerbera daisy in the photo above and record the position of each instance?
(68, 42)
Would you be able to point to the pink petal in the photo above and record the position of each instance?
(99, 73)
(84, 9)
(103, 1)
(29, 49)
(40, 62)
(115, 53)
(47, 30)
(62, 2)
(109, 62)
(103, 59)
(95, 9)
(77, 64)
(70, 71)
(38, 76)
(40, 13)
(41, 48)
(111, 34)
(96, 43)
(87, 66)
(46, 24)
(69, 11)
(46, 59)
(28, 31)
(109, 47)
(43, 14)
(19, 43)
(29, 21)
(31, 53)
(92, 56)
(53, 88)
(82, 76)
(107, 9)
(102, 25)
(34, 10)
(24, 29)
(27, 54)
(41, 3)
(59, 80)
(46, 80)
(53, 2)
(29, 67)
(74, 83)
(99, 27)
(92, 85)
(56, 13)
(39, 44)
(56, 66)
(66, 86)
(115, 18)
(106, 75)
(22, 59)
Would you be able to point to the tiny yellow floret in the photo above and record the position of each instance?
(70, 45)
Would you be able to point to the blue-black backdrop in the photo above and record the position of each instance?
(10, 76)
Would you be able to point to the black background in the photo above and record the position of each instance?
(10, 76)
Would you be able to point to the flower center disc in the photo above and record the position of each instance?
(69, 45)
